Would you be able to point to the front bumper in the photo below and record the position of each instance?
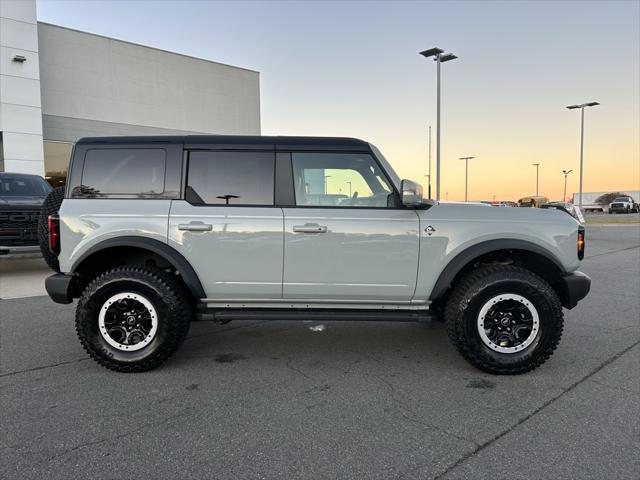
(60, 287)
(576, 286)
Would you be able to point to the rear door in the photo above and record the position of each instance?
(346, 239)
(227, 226)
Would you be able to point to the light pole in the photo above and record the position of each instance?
(349, 182)
(439, 58)
(537, 165)
(466, 174)
(566, 173)
(581, 107)
(429, 175)
(326, 177)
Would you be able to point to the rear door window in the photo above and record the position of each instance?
(231, 178)
(124, 171)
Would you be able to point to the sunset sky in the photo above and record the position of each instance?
(353, 69)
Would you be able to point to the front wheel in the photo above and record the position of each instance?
(504, 319)
(132, 319)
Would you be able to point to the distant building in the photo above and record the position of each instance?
(59, 84)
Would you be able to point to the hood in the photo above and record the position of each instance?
(18, 202)
(481, 212)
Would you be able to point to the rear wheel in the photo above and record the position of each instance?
(132, 319)
(50, 206)
(504, 319)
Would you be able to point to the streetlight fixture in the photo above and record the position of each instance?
(581, 107)
(566, 173)
(439, 57)
(466, 174)
(537, 165)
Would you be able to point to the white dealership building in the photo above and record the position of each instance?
(58, 84)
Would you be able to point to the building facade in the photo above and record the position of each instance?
(58, 84)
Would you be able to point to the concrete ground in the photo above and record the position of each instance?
(22, 276)
(355, 400)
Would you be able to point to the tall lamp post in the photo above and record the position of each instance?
(566, 174)
(439, 57)
(429, 175)
(466, 174)
(326, 183)
(581, 107)
(537, 165)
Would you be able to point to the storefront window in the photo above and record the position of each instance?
(56, 162)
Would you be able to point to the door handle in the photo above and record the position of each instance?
(310, 228)
(195, 227)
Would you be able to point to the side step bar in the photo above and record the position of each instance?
(224, 315)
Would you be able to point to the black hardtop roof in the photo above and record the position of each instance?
(234, 142)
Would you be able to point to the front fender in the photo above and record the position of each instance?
(468, 254)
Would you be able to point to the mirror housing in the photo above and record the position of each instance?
(411, 193)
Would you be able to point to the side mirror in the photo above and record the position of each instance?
(411, 193)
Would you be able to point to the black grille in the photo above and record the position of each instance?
(19, 227)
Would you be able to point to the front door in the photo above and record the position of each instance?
(227, 226)
(346, 240)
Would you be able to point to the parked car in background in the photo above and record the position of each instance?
(624, 204)
(570, 208)
(533, 201)
(21, 198)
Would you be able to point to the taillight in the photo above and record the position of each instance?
(580, 242)
(53, 222)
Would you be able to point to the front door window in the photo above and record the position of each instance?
(340, 180)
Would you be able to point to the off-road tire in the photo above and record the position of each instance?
(172, 304)
(50, 206)
(474, 289)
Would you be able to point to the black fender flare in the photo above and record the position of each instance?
(170, 254)
(463, 258)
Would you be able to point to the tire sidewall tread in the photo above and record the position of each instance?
(170, 299)
(472, 291)
(50, 206)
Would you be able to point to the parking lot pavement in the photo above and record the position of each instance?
(355, 400)
(22, 276)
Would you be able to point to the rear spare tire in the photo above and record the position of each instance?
(50, 206)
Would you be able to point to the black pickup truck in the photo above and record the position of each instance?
(21, 198)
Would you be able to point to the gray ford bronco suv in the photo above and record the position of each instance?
(152, 233)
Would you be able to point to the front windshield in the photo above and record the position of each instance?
(620, 199)
(16, 185)
(393, 176)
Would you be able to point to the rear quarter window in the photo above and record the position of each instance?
(124, 171)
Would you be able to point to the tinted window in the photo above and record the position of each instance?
(339, 180)
(233, 178)
(124, 171)
(15, 185)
